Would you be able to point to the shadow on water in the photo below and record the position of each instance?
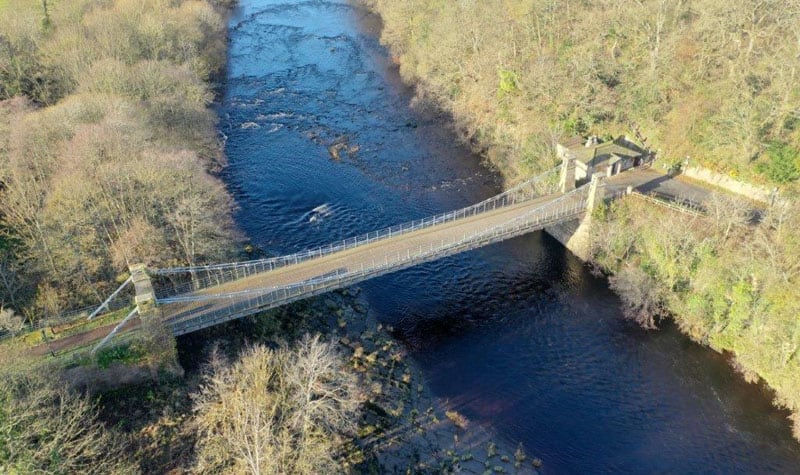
(518, 336)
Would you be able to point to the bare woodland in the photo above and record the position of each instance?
(714, 81)
(50, 429)
(106, 146)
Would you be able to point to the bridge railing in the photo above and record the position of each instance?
(180, 280)
(185, 316)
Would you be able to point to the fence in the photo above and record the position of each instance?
(682, 206)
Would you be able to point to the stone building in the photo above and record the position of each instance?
(594, 156)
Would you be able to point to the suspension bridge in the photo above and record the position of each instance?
(188, 299)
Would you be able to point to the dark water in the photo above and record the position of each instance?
(518, 336)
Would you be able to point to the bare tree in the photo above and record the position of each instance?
(48, 429)
(642, 296)
(276, 411)
(10, 322)
(11, 282)
(727, 213)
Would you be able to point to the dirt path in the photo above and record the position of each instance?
(80, 339)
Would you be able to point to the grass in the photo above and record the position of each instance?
(124, 353)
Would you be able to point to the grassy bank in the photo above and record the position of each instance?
(716, 84)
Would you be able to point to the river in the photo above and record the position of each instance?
(519, 336)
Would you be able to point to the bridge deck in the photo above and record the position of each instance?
(392, 249)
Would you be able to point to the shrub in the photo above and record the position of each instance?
(783, 163)
(122, 353)
(641, 294)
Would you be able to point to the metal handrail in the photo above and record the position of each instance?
(71, 316)
(382, 233)
(201, 297)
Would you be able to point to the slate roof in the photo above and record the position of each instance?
(595, 155)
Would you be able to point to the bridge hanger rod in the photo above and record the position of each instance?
(110, 298)
(115, 330)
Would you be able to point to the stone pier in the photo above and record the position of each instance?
(145, 296)
(576, 235)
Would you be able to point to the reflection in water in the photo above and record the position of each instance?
(518, 336)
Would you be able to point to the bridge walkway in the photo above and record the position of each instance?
(212, 305)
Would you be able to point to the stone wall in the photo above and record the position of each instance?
(754, 192)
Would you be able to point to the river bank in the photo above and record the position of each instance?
(694, 299)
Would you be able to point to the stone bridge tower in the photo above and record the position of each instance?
(159, 341)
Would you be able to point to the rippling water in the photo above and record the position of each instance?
(517, 336)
